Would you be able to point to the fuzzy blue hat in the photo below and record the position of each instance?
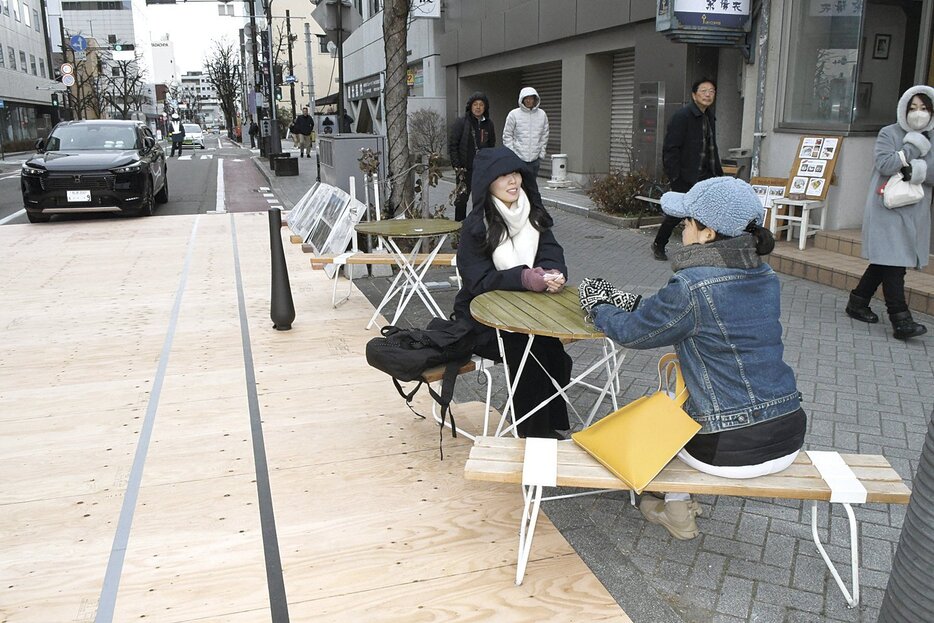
(724, 204)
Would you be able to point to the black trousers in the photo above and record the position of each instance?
(892, 279)
(460, 201)
(664, 231)
(534, 384)
(176, 145)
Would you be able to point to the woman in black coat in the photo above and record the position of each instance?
(506, 243)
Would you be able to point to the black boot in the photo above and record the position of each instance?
(857, 308)
(905, 326)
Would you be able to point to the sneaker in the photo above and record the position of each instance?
(659, 253)
(676, 516)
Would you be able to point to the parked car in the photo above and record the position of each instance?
(95, 166)
(194, 135)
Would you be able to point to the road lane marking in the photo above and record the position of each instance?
(9, 218)
(108, 598)
(275, 583)
(220, 204)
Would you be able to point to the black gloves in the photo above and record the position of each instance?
(598, 291)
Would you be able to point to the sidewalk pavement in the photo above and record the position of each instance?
(863, 391)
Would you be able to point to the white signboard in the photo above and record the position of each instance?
(729, 13)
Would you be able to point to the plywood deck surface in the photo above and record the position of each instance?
(370, 525)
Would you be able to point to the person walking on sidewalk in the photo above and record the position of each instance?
(177, 134)
(689, 153)
(469, 134)
(898, 238)
(304, 126)
(720, 311)
(254, 130)
(526, 129)
(507, 244)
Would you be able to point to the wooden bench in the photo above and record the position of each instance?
(503, 459)
(361, 258)
(318, 262)
(476, 363)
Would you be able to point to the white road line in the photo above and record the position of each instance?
(207, 156)
(10, 176)
(264, 188)
(184, 157)
(220, 205)
(9, 218)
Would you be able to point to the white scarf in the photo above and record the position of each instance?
(520, 244)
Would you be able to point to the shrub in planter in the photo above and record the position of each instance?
(616, 193)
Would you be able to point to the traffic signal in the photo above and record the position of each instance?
(122, 47)
(277, 74)
(55, 100)
(278, 95)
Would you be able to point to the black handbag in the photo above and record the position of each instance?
(405, 355)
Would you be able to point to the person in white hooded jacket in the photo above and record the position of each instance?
(526, 131)
(899, 238)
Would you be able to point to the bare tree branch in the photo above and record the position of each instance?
(222, 66)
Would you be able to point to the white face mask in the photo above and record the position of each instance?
(918, 119)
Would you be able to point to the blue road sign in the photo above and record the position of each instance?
(289, 79)
(2, 104)
(78, 43)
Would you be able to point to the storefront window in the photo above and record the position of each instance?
(848, 62)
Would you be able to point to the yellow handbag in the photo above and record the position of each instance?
(638, 440)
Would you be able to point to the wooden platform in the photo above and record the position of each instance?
(370, 525)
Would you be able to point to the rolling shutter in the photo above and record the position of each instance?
(621, 109)
(546, 79)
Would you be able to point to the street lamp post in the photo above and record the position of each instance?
(288, 31)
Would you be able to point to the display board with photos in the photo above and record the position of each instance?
(301, 217)
(767, 190)
(813, 166)
(324, 218)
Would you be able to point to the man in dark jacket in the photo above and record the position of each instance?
(690, 152)
(469, 133)
(303, 127)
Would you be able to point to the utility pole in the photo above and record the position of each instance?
(340, 66)
(255, 66)
(275, 143)
(288, 32)
(311, 91)
(66, 103)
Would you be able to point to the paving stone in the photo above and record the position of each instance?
(863, 391)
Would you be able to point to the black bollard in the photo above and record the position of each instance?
(281, 307)
(908, 596)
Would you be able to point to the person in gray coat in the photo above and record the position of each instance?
(898, 238)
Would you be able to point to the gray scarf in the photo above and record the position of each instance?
(738, 252)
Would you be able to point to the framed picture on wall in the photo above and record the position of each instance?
(880, 47)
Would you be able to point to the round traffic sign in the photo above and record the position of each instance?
(78, 43)
(68, 80)
(67, 68)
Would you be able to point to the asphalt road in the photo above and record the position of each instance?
(193, 183)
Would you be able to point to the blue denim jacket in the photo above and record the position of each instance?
(724, 325)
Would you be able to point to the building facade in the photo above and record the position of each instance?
(609, 82)
(26, 89)
(365, 64)
(112, 23)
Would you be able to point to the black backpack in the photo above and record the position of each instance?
(405, 354)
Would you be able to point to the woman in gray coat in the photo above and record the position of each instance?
(898, 238)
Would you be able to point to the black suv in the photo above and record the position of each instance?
(95, 166)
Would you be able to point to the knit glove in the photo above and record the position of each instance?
(534, 279)
(594, 292)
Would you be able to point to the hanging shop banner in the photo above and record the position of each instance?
(719, 13)
(426, 8)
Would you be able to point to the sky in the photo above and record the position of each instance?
(192, 27)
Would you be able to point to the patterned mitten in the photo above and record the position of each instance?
(594, 292)
(627, 301)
